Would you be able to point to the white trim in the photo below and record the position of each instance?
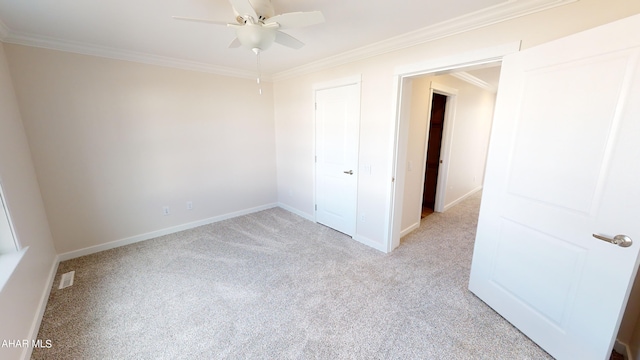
(399, 128)
(465, 76)
(297, 212)
(623, 348)
(8, 264)
(458, 61)
(345, 81)
(406, 231)
(126, 55)
(502, 12)
(9, 260)
(370, 243)
(4, 202)
(42, 306)
(150, 235)
(462, 198)
(443, 89)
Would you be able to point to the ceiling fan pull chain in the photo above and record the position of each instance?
(257, 51)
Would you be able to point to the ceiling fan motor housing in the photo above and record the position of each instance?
(263, 8)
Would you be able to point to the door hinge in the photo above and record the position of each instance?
(316, 207)
(316, 158)
(316, 105)
(393, 179)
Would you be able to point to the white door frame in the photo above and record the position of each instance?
(402, 88)
(350, 80)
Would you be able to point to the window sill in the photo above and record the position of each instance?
(8, 264)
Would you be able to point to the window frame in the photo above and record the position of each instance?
(5, 208)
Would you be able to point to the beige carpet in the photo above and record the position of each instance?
(272, 285)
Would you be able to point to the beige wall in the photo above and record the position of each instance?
(474, 116)
(114, 141)
(21, 296)
(468, 148)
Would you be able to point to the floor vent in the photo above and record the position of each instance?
(67, 280)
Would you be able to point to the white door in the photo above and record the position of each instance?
(337, 136)
(564, 163)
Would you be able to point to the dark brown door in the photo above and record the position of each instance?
(436, 126)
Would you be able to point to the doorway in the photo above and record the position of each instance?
(400, 222)
(434, 145)
(449, 126)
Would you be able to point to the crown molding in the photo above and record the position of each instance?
(508, 10)
(118, 54)
(465, 76)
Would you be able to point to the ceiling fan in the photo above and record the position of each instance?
(257, 27)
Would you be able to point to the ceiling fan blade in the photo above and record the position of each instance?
(200, 20)
(288, 40)
(296, 19)
(243, 7)
(235, 43)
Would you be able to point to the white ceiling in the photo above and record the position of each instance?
(143, 30)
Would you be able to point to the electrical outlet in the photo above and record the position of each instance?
(166, 211)
(189, 205)
(363, 217)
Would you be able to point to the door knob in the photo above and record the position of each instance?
(350, 172)
(620, 240)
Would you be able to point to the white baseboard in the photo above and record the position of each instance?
(623, 349)
(44, 298)
(297, 212)
(409, 229)
(462, 198)
(374, 244)
(154, 234)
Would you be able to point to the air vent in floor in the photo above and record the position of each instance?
(67, 280)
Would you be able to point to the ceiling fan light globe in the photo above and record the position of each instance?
(255, 36)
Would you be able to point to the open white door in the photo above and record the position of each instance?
(337, 139)
(564, 163)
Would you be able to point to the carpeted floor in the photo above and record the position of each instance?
(272, 285)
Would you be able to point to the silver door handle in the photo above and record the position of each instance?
(350, 172)
(620, 240)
